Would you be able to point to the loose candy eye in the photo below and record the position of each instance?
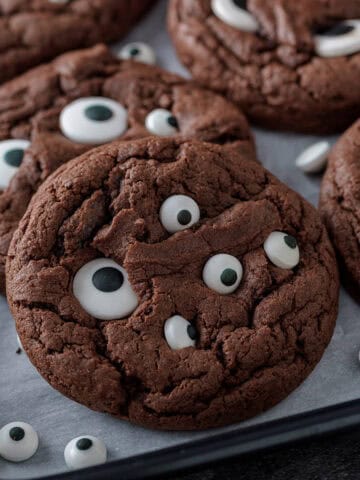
(282, 250)
(19, 342)
(179, 333)
(223, 273)
(235, 14)
(314, 158)
(82, 452)
(11, 156)
(340, 40)
(93, 120)
(138, 51)
(103, 290)
(161, 122)
(18, 441)
(179, 212)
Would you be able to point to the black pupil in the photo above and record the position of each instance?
(14, 157)
(241, 4)
(134, 51)
(184, 217)
(228, 277)
(84, 444)
(337, 30)
(172, 121)
(290, 241)
(17, 434)
(108, 279)
(191, 330)
(98, 113)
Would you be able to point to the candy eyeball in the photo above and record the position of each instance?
(161, 122)
(86, 451)
(11, 156)
(314, 158)
(282, 250)
(138, 51)
(179, 333)
(223, 273)
(103, 290)
(179, 212)
(93, 120)
(20, 345)
(18, 442)
(235, 14)
(340, 40)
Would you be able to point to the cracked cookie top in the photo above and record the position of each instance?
(291, 64)
(340, 204)
(172, 283)
(90, 97)
(35, 31)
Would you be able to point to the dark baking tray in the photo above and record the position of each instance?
(220, 447)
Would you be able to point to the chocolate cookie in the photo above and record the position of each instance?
(90, 97)
(35, 31)
(291, 64)
(340, 204)
(174, 284)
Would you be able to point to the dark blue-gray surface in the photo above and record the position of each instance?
(331, 458)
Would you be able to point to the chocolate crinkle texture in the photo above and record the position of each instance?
(340, 204)
(274, 73)
(30, 107)
(253, 346)
(34, 31)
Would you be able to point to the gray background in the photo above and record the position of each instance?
(25, 396)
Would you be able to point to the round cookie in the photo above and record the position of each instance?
(191, 329)
(340, 204)
(291, 64)
(35, 31)
(89, 97)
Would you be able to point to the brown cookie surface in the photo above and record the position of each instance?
(35, 31)
(171, 283)
(32, 105)
(340, 204)
(291, 64)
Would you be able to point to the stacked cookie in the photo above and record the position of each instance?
(35, 31)
(85, 98)
(155, 270)
(290, 64)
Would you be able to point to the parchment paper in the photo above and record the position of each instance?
(25, 396)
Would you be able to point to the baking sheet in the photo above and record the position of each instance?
(25, 396)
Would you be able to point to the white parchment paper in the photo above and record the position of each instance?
(25, 396)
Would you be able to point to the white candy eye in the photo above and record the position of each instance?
(18, 442)
(11, 156)
(179, 333)
(161, 122)
(93, 120)
(313, 159)
(282, 250)
(103, 290)
(82, 452)
(341, 40)
(223, 273)
(235, 14)
(179, 212)
(138, 51)
(19, 342)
